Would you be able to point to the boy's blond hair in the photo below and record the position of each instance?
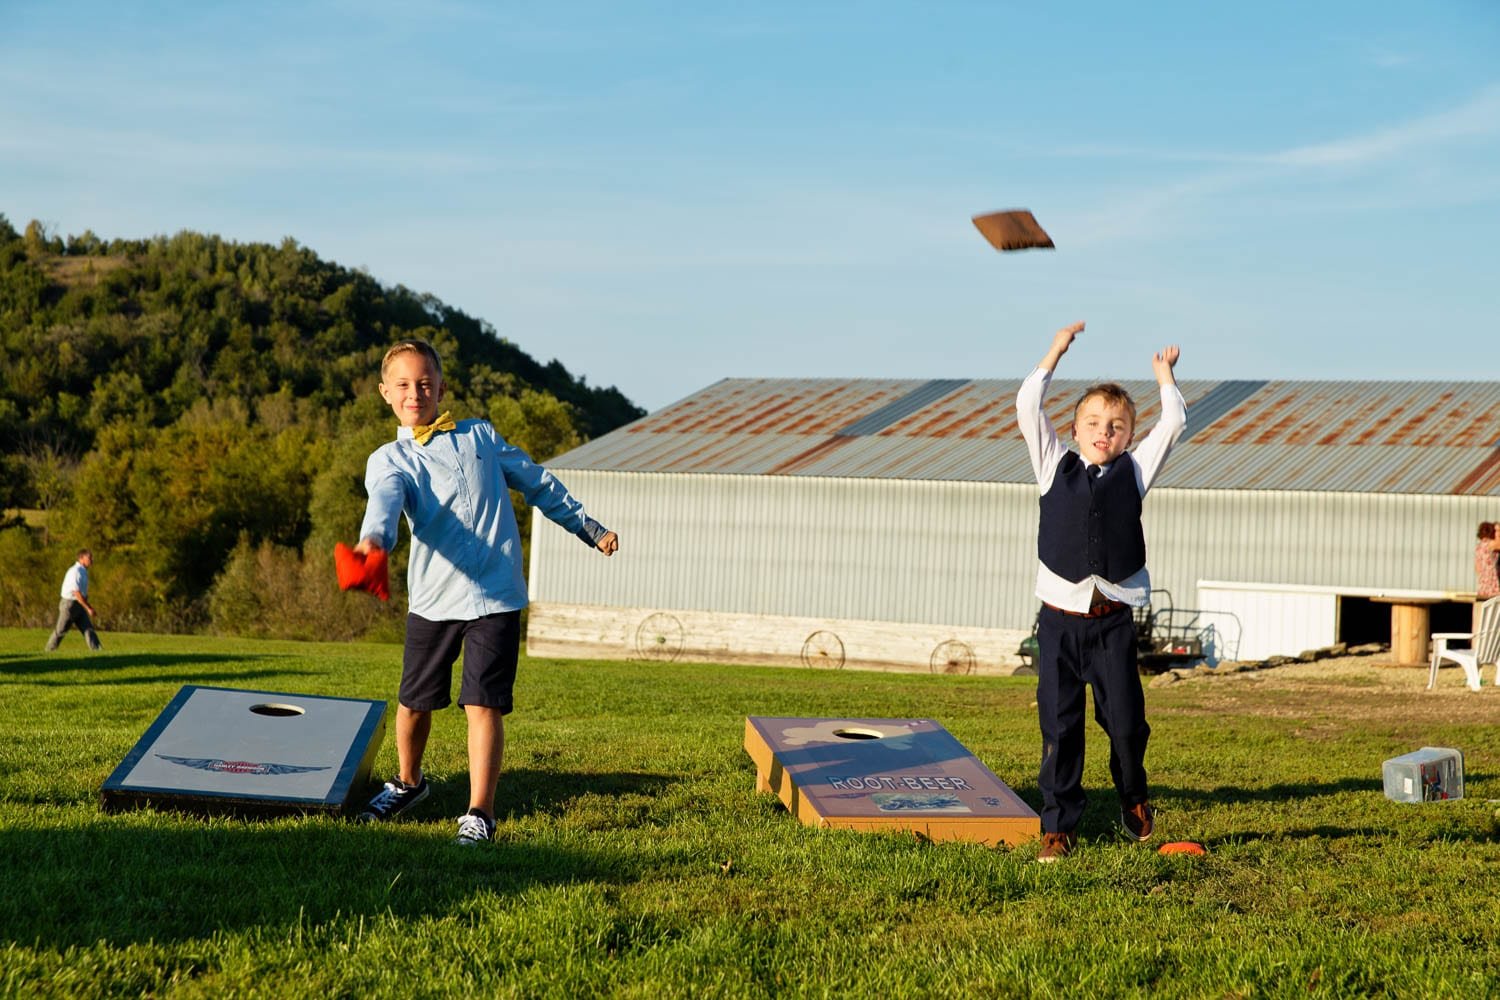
(1111, 392)
(421, 347)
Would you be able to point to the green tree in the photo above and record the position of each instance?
(28, 592)
(50, 473)
(222, 397)
(538, 423)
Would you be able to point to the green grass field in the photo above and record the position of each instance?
(634, 858)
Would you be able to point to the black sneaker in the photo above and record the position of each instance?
(474, 827)
(393, 800)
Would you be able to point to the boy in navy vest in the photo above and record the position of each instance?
(1092, 572)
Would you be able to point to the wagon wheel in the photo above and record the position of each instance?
(823, 649)
(659, 637)
(952, 657)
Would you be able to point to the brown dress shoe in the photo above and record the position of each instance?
(1139, 821)
(1056, 846)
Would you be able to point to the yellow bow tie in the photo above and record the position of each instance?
(422, 433)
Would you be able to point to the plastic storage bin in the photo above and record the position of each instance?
(1430, 774)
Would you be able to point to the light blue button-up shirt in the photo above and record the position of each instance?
(455, 491)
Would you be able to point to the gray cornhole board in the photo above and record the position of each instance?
(223, 750)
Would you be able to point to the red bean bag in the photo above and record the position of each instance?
(362, 571)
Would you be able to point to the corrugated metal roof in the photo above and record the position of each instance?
(1361, 437)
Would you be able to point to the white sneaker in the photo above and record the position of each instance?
(474, 827)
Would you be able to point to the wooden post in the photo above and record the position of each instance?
(1411, 632)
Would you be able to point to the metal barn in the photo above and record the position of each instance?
(891, 524)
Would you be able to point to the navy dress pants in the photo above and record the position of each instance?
(1075, 651)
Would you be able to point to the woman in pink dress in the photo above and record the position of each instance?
(1486, 572)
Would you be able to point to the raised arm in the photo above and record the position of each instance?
(1151, 454)
(1061, 341)
(1162, 363)
(1042, 443)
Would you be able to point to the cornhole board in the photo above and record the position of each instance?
(885, 774)
(223, 750)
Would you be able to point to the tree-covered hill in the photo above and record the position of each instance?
(94, 330)
(198, 411)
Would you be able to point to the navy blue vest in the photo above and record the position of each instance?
(1091, 525)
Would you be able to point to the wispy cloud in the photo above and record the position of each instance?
(1389, 58)
(49, 145)
(1479, 116)
(1155, 208)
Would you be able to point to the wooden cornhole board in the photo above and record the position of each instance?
(885, 774)
(221, 750)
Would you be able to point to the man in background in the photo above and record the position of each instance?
(74, 608)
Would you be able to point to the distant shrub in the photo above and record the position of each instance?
(28, 592)
(271, 592)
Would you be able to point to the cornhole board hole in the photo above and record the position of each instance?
(885, 774)
(263, 753)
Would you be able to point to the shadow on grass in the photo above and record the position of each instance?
(123, 884)
(1101, 815)
(20, 663)
(1332, 832)
(525, 791)
(102, 668)
(1286, 792)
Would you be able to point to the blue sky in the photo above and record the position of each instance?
(663, 195)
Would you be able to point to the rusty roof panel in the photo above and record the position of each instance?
(920, 398)
(1399, 437)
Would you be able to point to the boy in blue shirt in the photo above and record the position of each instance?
(452, 480)
(1092, 571)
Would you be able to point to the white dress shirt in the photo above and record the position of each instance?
(1047, 451)
(76, 581)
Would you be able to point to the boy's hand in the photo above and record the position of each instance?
(363, 567)
(1162, 363)
(609, 543)
(1061, 341)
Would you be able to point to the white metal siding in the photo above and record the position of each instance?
(1254, 624)
(880, 550)
(965, 553)
(1355, 540)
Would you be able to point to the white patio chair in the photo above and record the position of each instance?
(1484, 647)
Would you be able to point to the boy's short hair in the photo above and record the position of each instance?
(421, 347)
(1112, 392)
(82, 553)
(1486, 530)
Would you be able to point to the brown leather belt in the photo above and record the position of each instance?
(1096, 610)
